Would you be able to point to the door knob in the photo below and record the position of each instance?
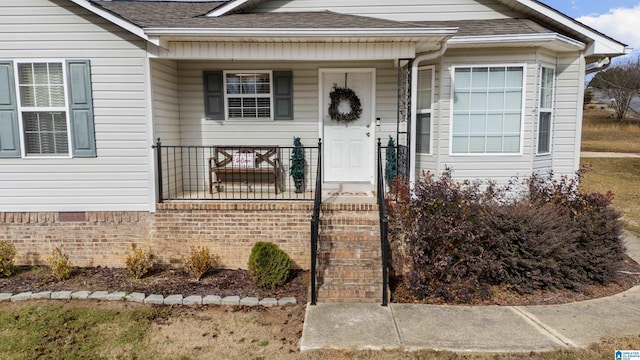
(368, 134)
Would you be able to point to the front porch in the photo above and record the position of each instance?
(345, 246)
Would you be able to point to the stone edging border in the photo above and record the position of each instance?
(150, 299)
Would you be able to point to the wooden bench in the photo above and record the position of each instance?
(245, 164)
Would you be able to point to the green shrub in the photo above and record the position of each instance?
(7, 254)
(59, 264)
(138, 262)
(268, 265)
(199, 262)
(455, 240)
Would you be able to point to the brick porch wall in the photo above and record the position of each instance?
(229, 229)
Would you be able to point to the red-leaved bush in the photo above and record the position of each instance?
(455, 240)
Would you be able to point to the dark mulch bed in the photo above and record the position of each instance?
(628, 278)
(164, 282)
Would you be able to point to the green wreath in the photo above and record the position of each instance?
(337, 96)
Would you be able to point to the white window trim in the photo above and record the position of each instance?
(23, 142)
(270, 96)
(549, 110)
(452, 70)
(429, 110)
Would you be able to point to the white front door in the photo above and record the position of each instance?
(348, 148)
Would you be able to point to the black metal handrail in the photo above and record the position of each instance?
(384, 227)
(315, 224)
(222, 172)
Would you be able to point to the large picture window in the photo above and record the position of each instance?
(545, 109)
(248, 95)
(487, 110)
(43, 108)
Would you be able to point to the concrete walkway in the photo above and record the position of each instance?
(474, 328)
(594, 154)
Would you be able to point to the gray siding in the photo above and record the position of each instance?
(166, 120)
(118, 179)
(404, 10)
(196, 130)
(568, 116)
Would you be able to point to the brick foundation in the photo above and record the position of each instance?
(229, 229)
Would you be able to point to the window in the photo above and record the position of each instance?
(487, 110)
(545, 110)
(248, 95)
(424, 110)
(43, 108)
(46, 109)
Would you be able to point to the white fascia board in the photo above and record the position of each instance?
(226, 8)
(320, 33)
(601, 40)
(511, 39)
(138, 31)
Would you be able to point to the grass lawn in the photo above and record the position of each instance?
(620, 176)
(118, 330)
(602, 133)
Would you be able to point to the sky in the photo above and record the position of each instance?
(619, 19)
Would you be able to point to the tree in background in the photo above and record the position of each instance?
(621, 82)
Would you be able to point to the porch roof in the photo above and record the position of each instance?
(181, 15)
(167, 22)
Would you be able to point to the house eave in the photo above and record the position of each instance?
(305, 33)
(600, 44)
(554, 41)
(116, 20)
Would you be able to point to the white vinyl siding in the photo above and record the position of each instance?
(118, 179)
(404, 10)
(487, 109)
(545, 109)
(195, 129)
(567, 120)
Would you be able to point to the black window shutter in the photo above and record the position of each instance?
(213, 95)
(9, 131)
(83, 138)
(283, 95)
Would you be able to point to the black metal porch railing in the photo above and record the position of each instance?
(384, 226)
(315, 224)
(220, 172)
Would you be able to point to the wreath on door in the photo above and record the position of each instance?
(340, 94)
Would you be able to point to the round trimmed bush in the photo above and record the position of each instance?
(268, 265)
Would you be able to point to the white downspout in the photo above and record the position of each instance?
(414, 105)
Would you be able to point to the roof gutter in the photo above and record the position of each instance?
(319, 32)
(600, 65)
(506, 39)
(414, 106)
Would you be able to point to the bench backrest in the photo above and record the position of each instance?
(247, 156)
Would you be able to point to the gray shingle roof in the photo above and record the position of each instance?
(492, 27)
(173, 14)
(158, 14)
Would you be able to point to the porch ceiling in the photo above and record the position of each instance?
(296, 45)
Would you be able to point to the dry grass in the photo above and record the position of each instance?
(116, 330)
(620, 176)
(600, 132)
